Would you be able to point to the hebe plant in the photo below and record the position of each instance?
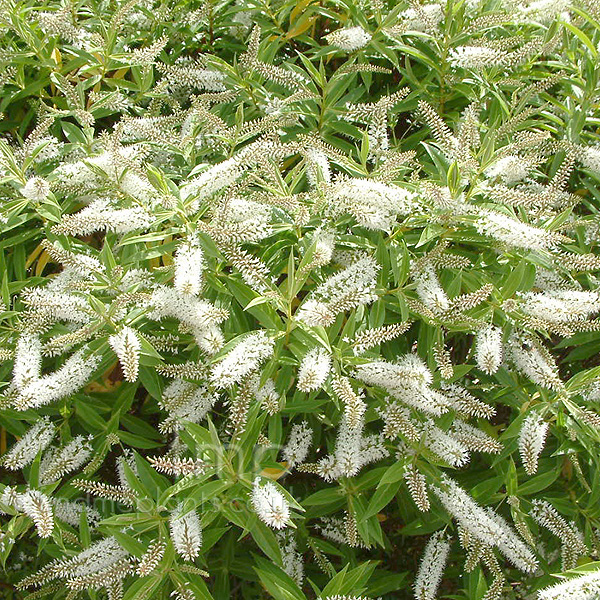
(299, 299)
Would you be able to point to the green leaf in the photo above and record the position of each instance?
(154, 483)
(143, 588)
(353, 581)
(130, 544)
(277, 582)
(393, 474)
(151, 381)
(383, 495)
(538, 483)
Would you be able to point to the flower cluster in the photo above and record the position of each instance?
(270, 504)
(349, 39)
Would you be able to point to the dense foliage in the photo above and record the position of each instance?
(299, 299)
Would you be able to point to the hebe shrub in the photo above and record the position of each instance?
(299, 299)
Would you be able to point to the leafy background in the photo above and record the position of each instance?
(77, 90)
